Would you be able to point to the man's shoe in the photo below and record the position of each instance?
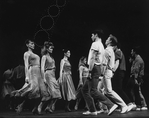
(101, 111)
(144, 108)
(138, 109)
(87, 112)
(90, 113)
(130, 107)
(112, 109)
(124, 109)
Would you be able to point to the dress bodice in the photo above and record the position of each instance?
(67, 66)
(34, 59)
(85, 72)
(50, 63)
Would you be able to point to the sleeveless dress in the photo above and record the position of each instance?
(52, 84)
(67, 86)
(85, 73)
(36, 87)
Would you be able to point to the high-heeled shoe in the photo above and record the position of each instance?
(48, 111)
(76, 107)
(67, 110)
(36, 112)
(18, 109)
(53, 107)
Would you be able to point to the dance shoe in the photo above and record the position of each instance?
(112, 109)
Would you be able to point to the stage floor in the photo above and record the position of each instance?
(73, 114)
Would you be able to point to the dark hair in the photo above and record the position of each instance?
(65, 50)
(99, 32)
(28, 40)
(113, 39)
(136, 49)
(47, 44)
(81, 61)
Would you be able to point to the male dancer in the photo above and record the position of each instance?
(89, 88)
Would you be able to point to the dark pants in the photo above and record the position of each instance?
(135, 93)
(79, 89)
(90, 92)
(117, 84)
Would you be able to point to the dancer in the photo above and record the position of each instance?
(48, 73)
(89, 88)
(7, 88)
(34, 87)
(83, 74)
(100, 105)
(119, 75)
(136, 79)
(110, 63)
(65, 80)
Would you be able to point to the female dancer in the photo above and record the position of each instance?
(48, 73)
(34, 87)
(83, 74)
(65, 80)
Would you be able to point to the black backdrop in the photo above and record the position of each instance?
(67, 23)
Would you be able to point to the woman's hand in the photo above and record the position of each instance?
(60, 80)
(45, 81)
(27, 80)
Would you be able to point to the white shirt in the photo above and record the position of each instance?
(110, 60)
(97, 46)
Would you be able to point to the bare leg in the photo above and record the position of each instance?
(67, 109)
(77, 103)
(20, 107)
(53, 104)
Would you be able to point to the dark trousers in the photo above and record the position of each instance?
(90, 92)
(135, 93)
(117, 84)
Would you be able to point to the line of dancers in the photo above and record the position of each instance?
(100, 79)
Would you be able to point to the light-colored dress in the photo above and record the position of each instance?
(52, 84)
(67, 86)
(36, 87)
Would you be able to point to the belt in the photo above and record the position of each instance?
(97, 64)
(49, 69)
(34, 66)
(110, 69)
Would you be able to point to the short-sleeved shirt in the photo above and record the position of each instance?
(120, 56)
(110, 57)
(137, 68)
(97, 46)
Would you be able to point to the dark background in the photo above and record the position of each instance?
(70, 27)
